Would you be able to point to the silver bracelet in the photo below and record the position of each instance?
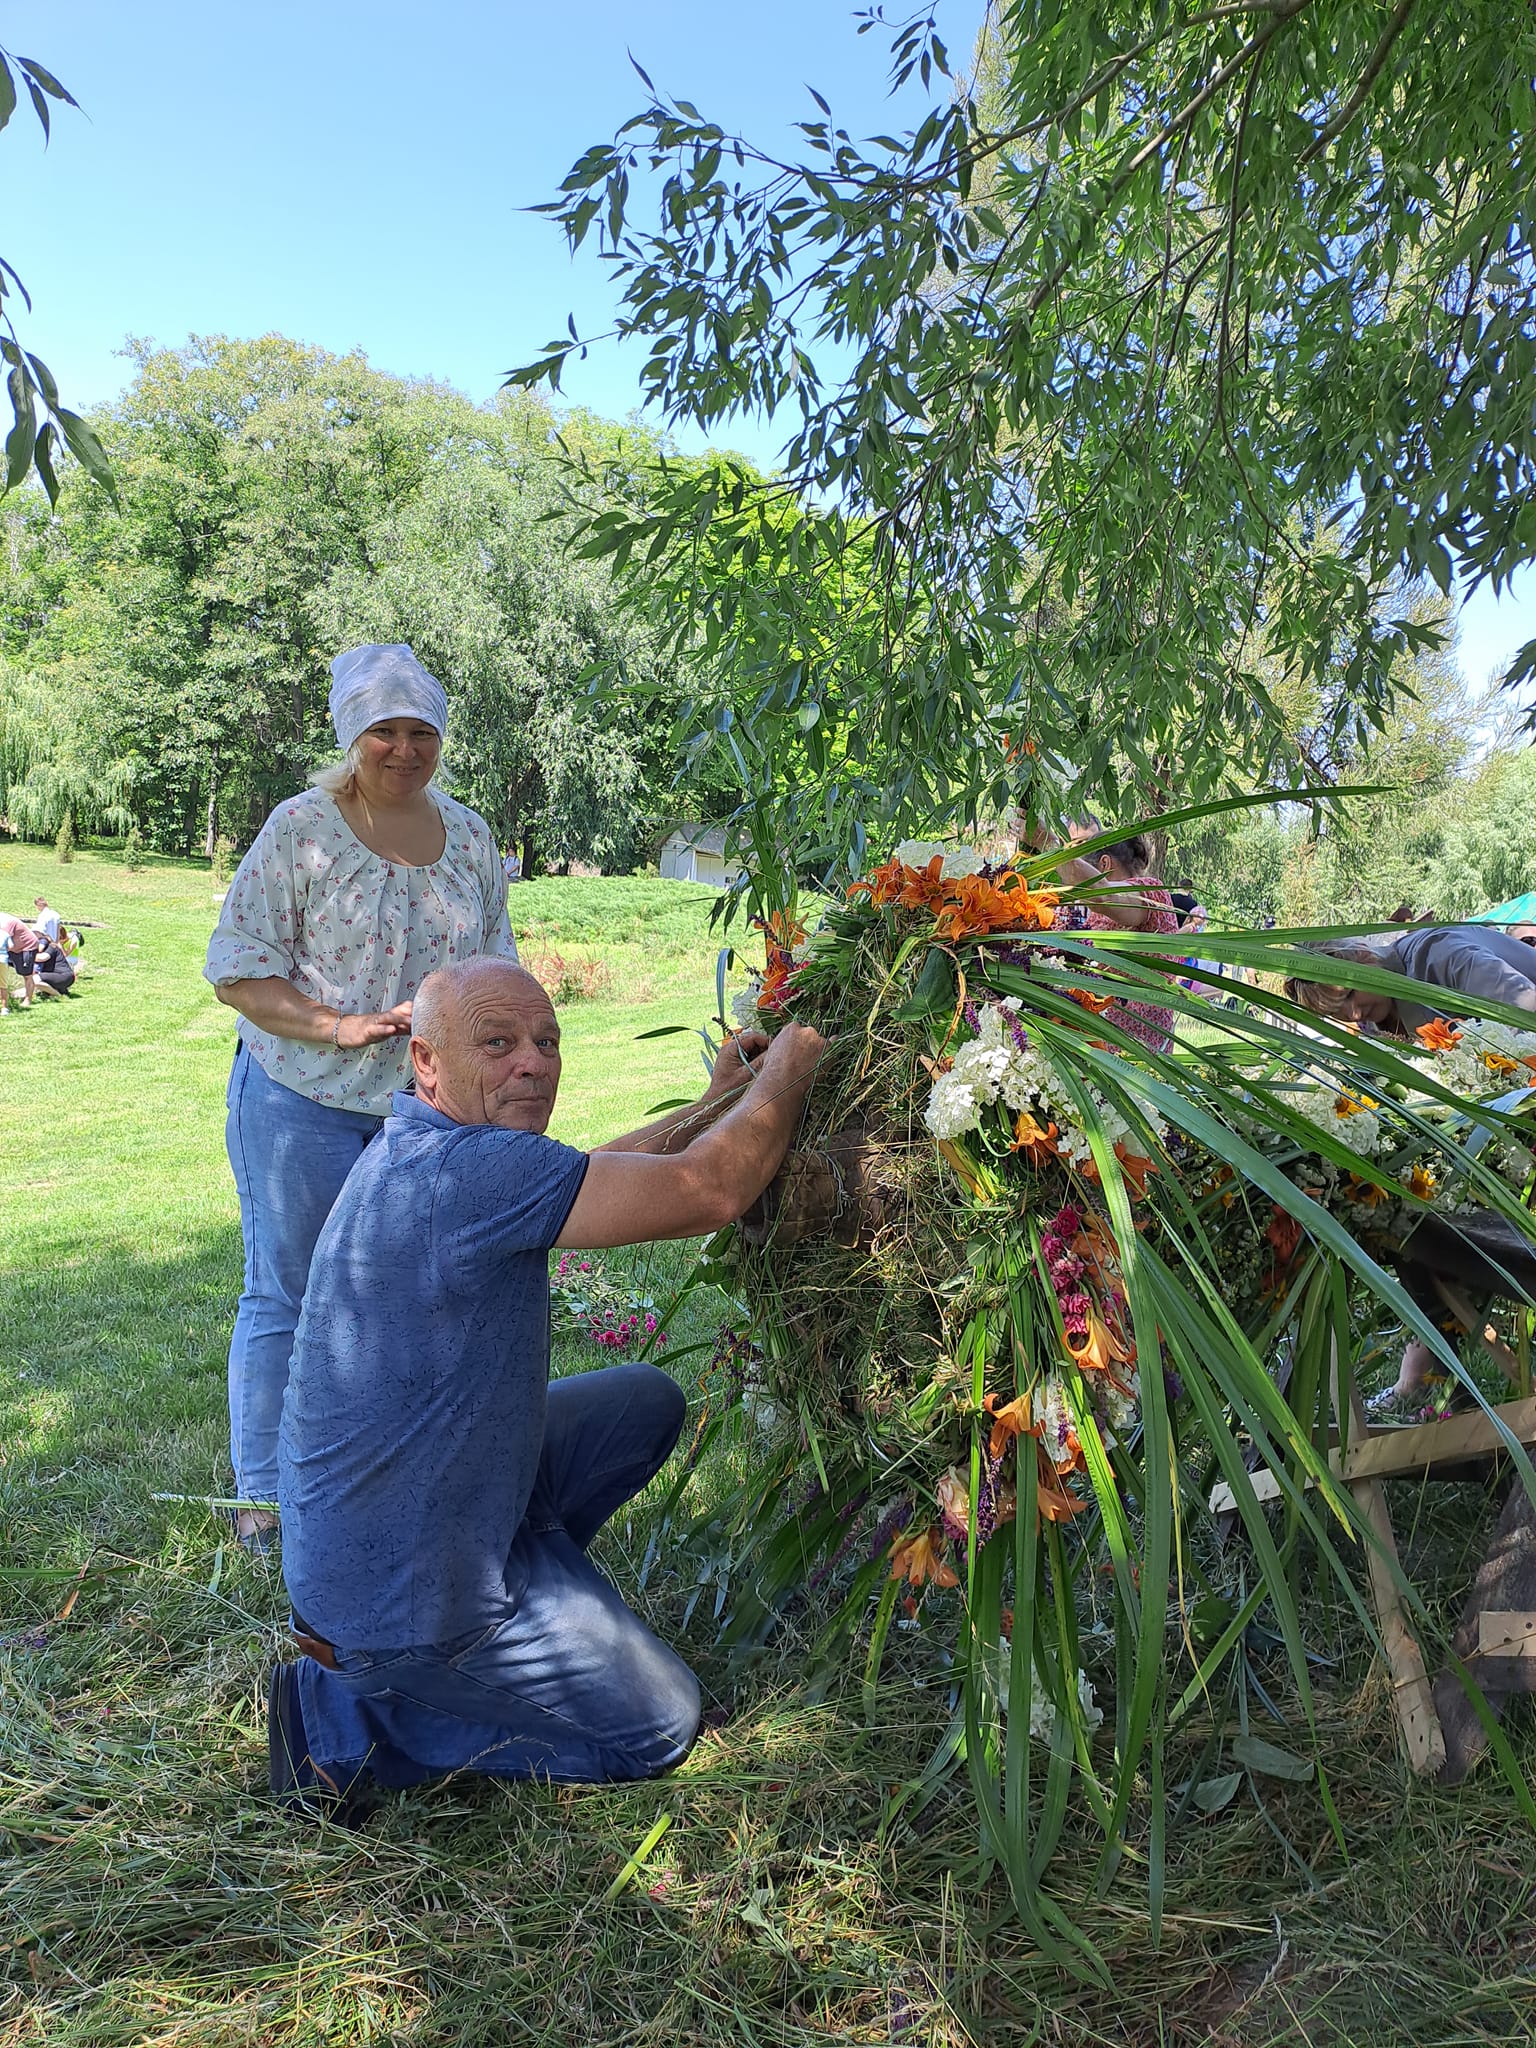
(336, 1032)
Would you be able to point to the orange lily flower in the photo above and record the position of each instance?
(973, 907)
(1421, 1182)
(1284, 1233)
(1135, 1168)
(1499, 1065)
(882, 885)
(1010, 1421)
(1036, 1141)
(924, 888)
(921, 1559)
(1097, 1250)
(1051, 1496)
(1089, 1001)
(1437, 1035)
(1100, 1349)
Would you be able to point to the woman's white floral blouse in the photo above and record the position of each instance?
(312, 905)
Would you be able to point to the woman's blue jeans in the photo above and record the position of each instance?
(290, 1157)
(570, 1685)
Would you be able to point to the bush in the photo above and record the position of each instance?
(223, 862)
(133, 848)
(570, 977)
(64, 845)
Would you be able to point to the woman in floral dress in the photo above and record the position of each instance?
(352, 894)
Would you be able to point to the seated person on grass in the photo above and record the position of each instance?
(438, 1493)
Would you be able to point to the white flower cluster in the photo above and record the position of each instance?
(994, 1066)
(1042, 1710)
(1464, 1068)
(1359, 1129)
(744, 1007)
(958, 860)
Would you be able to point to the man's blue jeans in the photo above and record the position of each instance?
(290, 1157)
(570, 1684)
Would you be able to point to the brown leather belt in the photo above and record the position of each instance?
(310, 1644)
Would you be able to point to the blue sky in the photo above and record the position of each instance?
(352, 175)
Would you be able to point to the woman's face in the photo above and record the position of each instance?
(396, 758)
(1360, 1006)
(1106, 863)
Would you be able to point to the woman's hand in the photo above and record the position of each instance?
(373, 1027)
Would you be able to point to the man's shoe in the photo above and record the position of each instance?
(261, 1535)
(297, 1781)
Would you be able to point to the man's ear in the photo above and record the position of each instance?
(424, 1060)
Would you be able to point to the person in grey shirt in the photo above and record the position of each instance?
(1475, 960)
(1454, 960)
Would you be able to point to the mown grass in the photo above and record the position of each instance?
(150, 1895)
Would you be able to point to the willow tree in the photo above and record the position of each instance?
(1147, 370)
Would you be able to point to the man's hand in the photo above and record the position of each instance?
(635, 1190)
(739, 1061)
(793, 1056)
(373, 1027)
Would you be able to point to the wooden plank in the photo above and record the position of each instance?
(1479, 1327)
(1412, 1694)
(1418, 1447)
(1452, 1438)
(1506, 1632)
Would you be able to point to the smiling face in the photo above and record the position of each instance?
(396, 758)
(486, 1046)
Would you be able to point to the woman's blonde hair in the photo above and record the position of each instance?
(340, 779)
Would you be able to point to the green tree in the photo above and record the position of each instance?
(279, 503)
(1206, 328)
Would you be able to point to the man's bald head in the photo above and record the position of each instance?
(485, 1044)
(439, 1002)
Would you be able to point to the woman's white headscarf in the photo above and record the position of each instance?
(372, 683)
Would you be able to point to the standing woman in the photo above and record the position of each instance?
(352, 894)
(1124, 896)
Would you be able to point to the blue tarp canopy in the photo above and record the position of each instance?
(1518, 910)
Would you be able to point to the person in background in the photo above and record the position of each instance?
(1187, 905)
(45, 919)
(511, 865)
(352, 894)
(21, 944)
(1123, 896)
(55, 970)
(1475, 960)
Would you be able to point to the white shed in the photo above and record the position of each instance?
(696, 853)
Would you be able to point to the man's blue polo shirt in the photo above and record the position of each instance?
(414, 1415)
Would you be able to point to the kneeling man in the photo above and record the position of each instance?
(438, 1493)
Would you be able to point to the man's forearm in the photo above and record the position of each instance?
(679, 1127)
(745, 1148)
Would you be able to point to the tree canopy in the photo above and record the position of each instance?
(167, 663)
(1150, 367)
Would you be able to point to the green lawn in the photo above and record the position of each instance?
(148, 1893)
